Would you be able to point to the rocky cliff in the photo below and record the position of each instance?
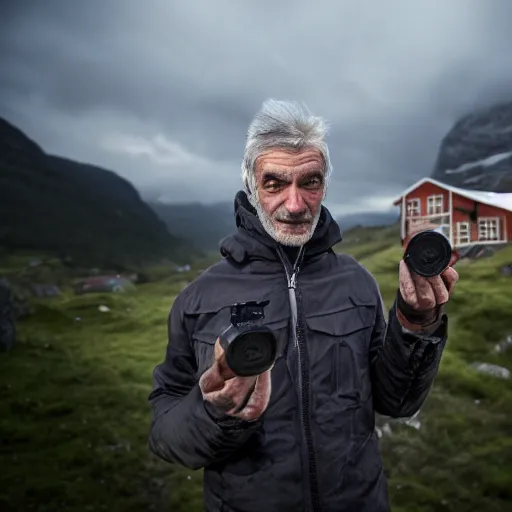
(477, 152)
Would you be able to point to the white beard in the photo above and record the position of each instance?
(286, 239)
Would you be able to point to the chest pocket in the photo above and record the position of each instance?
(211, 324)
(338, 343)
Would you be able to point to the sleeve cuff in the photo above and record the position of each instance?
(227, 422)
(433, 334)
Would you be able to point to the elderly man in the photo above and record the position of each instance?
(300, 436)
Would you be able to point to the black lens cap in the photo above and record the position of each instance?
(252, 352)
(428, 253)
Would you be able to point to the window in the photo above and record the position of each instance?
(435, 205)
(413, 208)
(488, 229)
(463, 236)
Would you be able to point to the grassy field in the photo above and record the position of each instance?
(74, 416)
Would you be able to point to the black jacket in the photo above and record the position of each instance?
(315, 447)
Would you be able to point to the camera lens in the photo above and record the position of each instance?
(428, 253)
(251, 353)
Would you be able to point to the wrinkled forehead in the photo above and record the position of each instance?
(289, 163)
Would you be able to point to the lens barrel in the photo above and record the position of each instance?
(428, 253)
(249, 349)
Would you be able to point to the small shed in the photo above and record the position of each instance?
(102, 284)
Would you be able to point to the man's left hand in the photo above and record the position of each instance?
(423, 297)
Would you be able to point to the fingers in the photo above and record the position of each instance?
(220, 358)
(211, 380)
(426, 298)
(215, 377)
(450, 276)
(443, 285)
(243, 397)
(230, 394)
(218, 351)
(419, 292)
(407, 285)
(259, 399)
(238, 389)
(439, 290)
(227, 395)
(423, 293)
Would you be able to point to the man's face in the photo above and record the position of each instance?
(289, 193)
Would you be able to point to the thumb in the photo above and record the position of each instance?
(220, 359)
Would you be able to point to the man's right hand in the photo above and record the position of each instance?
(242, 397)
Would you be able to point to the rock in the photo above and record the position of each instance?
(120, 446)
(45, 290)
(506, 270)
(413, 421)
(491, 369)
(384, 430)
(385, 425)
(504, 345)
(476, 153)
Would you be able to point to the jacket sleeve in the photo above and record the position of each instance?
(182, 429)
(403, 364)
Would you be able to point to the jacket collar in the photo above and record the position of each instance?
(252, 242)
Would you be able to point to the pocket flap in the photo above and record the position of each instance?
(210, 326)
(344, 321)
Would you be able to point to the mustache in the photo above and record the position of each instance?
(286, 216)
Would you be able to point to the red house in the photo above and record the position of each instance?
(466, 217)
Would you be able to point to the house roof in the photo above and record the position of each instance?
(497, 199)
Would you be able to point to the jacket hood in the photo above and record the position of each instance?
(251, 241)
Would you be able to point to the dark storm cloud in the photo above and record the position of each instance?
(162, 92)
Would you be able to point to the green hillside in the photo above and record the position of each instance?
(74, 416)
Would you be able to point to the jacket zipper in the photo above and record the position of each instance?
(302, 356)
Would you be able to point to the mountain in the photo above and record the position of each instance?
(205, 225)
(367, 219)
(476, 153)
(92, 215)
(201, 224)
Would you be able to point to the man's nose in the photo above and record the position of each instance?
(294, 202)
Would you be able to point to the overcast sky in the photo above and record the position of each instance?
(162, 91)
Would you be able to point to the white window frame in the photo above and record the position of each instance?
(485, 224)
(463, 233)
(413, 207)
(435, 203)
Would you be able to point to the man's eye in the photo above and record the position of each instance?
(273, 185)
(313, 183)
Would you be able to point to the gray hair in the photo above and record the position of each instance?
(287, 125)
